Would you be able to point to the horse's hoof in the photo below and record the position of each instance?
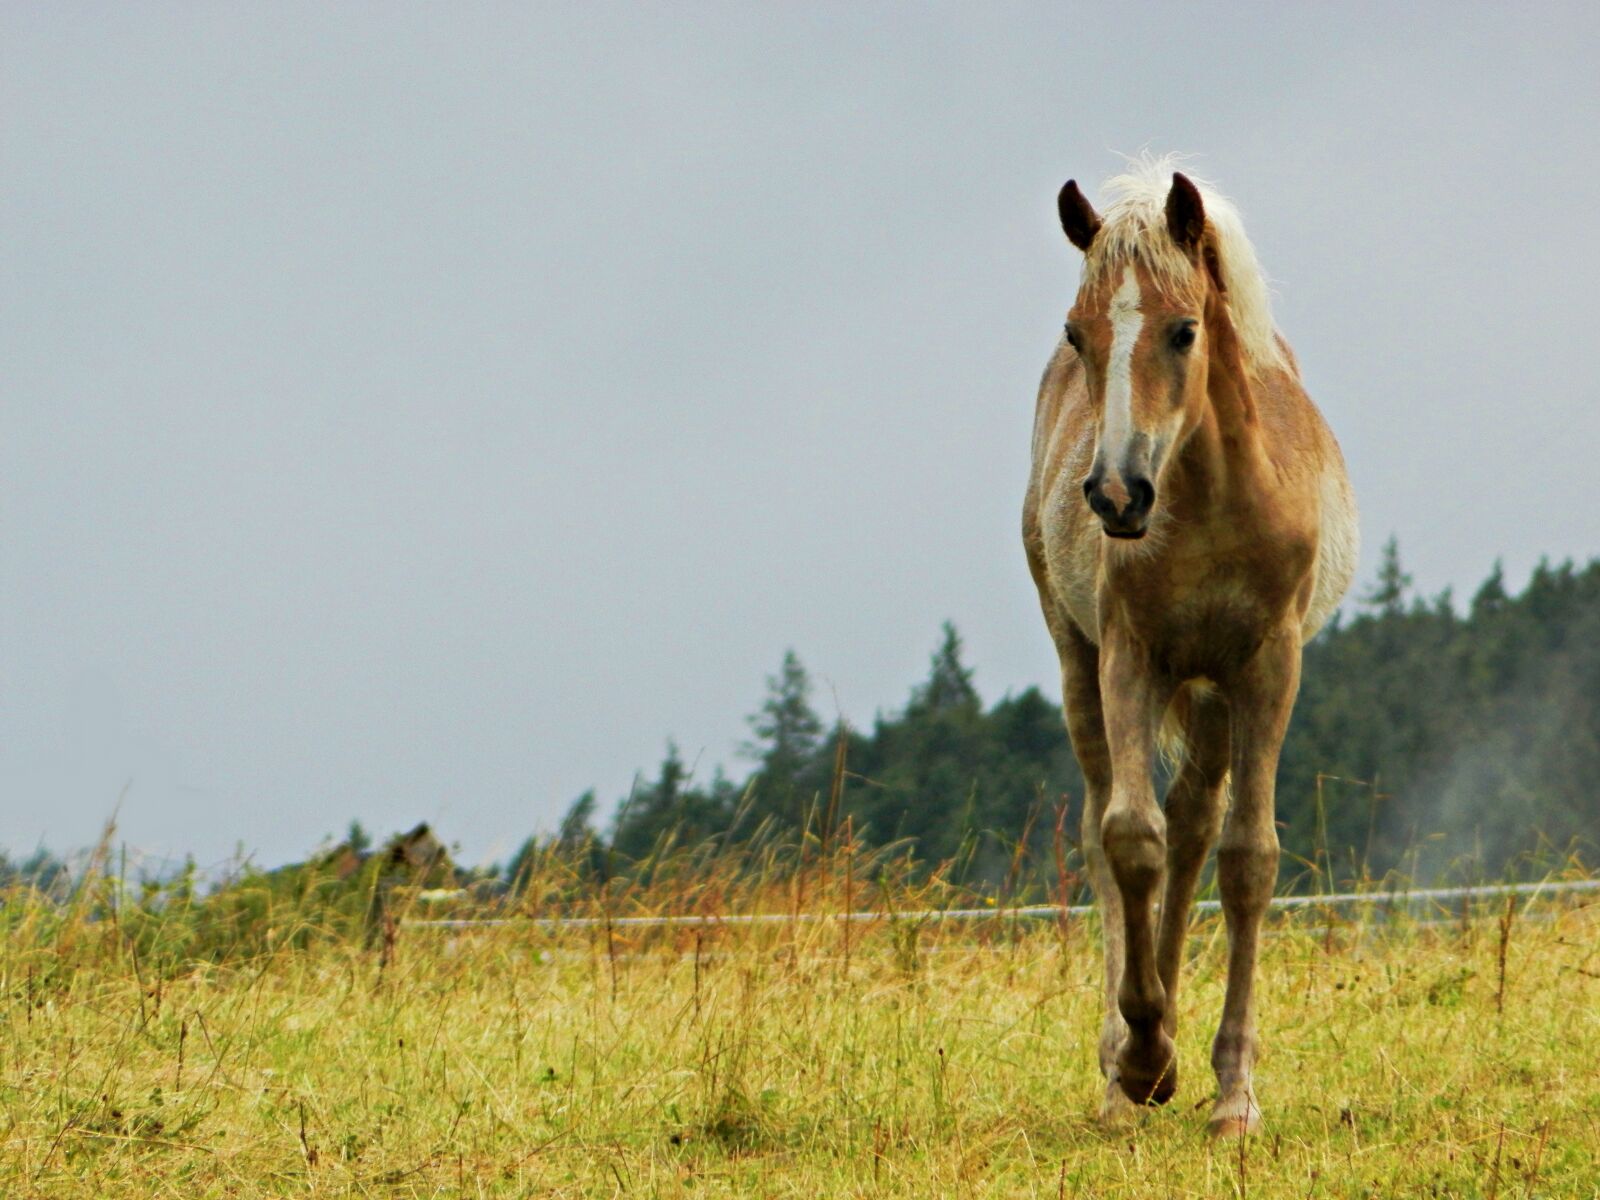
(1148, 1074)
(1235, 1118)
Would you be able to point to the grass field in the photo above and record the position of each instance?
(787, 1060)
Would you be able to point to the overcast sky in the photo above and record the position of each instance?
(423, 412)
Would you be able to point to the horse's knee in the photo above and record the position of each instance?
(1247, 869)
(1135, 844)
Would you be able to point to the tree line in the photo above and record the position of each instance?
(1428, 739)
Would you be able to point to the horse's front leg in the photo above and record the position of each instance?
(1260, 698)
(1133, 834)
(1080, 697)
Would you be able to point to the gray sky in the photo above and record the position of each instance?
(424, 412)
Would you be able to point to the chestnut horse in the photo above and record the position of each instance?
(1189, 526)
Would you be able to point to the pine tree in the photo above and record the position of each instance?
(670, 807)
(1387, 595)
(949, 682)
(575, 838)
(1491, 597)
(663, 796)
(787, 730)
(577, 827)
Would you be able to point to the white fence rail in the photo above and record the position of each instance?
(1415, 898)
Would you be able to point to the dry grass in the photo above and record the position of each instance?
(784, 1061)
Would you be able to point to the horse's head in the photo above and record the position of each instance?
(1138, 327)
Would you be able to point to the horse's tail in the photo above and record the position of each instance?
(1172, 741)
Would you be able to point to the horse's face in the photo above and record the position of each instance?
(1140, 347)
(1141, 343)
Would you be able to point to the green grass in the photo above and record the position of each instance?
(782, 1061)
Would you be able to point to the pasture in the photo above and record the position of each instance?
(904, 1058)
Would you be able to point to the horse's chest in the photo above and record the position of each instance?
(1205, 627)
(1202, 636)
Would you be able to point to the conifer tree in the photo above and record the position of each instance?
(949, 682)
(1491, 597)
(1387, 595)
(577, 827)
(787, 729)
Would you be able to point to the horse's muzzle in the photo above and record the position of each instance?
(1124, 512)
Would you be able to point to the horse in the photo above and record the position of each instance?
(1189, 525)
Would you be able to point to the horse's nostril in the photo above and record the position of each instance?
(1144, 495)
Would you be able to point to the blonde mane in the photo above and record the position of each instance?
(1135, 229)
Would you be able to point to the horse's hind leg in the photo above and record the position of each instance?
(1080, 694)
(1195, 802)
(1260, 700)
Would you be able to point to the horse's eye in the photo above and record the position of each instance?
(1183, 337)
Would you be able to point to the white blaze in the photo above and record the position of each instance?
(1126, 321)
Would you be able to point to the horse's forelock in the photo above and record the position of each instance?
(1134, 230)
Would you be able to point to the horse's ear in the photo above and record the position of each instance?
(1186, 214)
(1078, 217)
